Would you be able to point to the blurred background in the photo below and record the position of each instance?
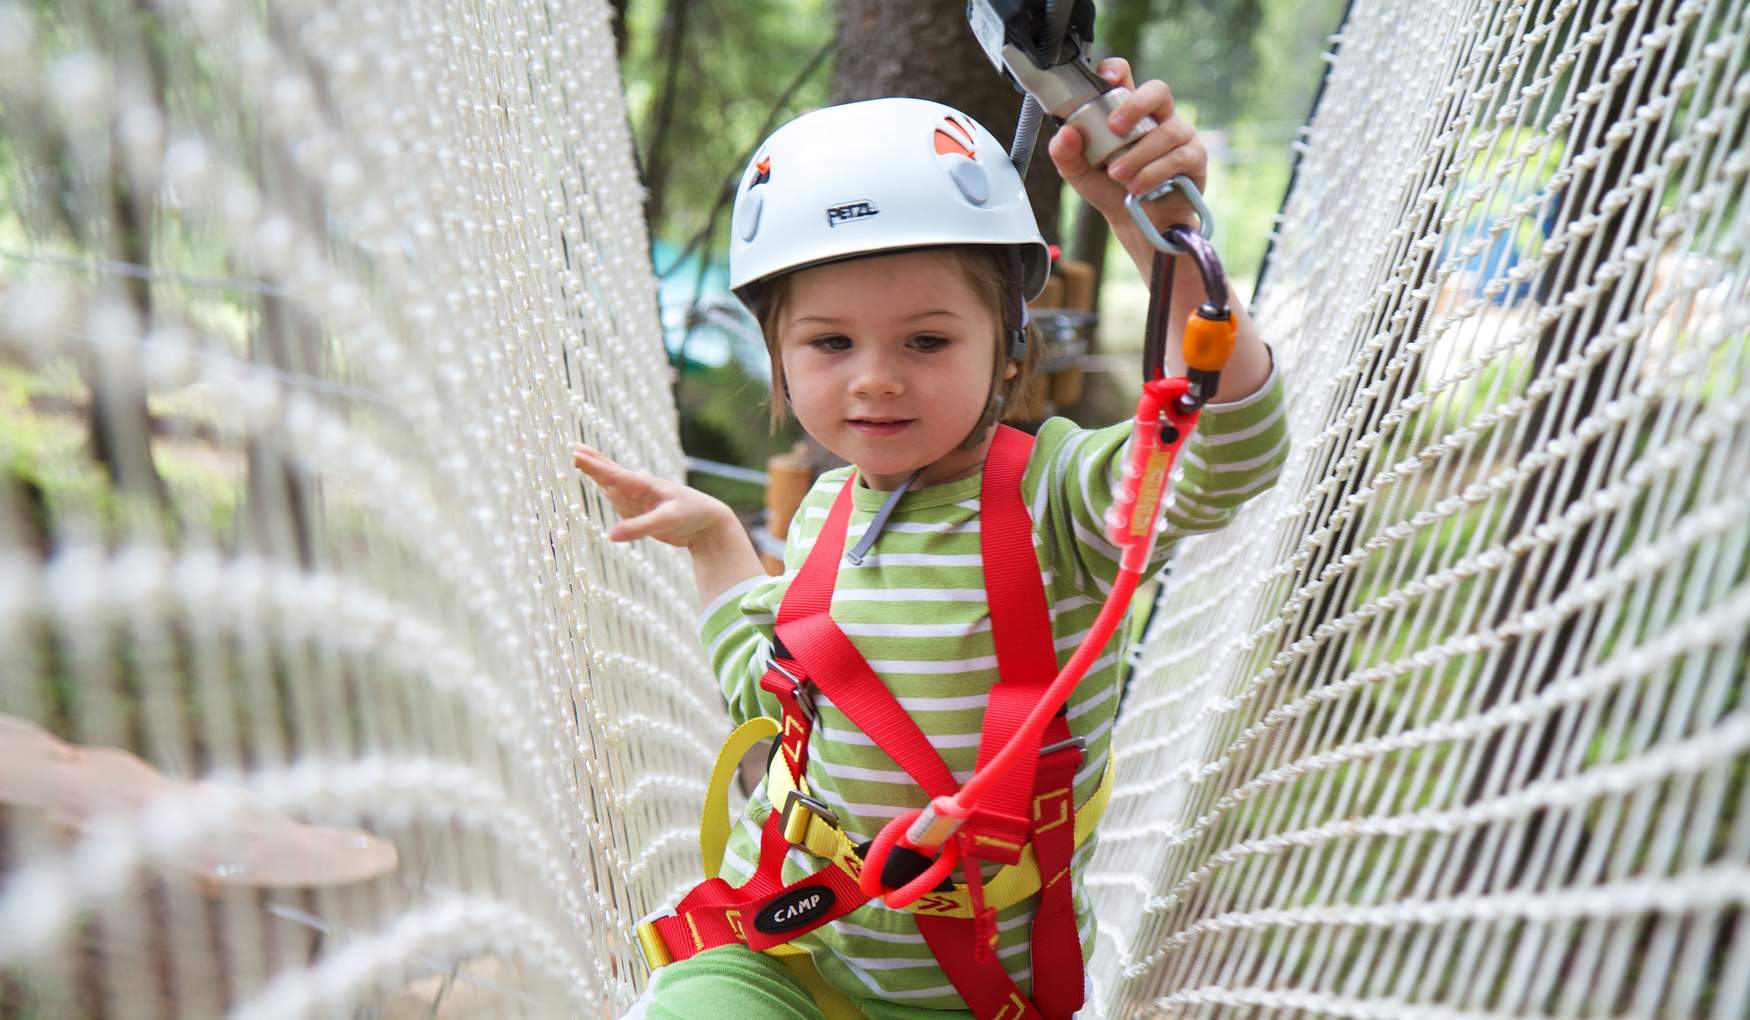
(706, 80)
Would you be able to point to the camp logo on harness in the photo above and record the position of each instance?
(837, 214)
(795, 909)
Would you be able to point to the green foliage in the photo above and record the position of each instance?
(46, 452)
(1244, 70)
(726, 419)
(44, 448)
(1248, 180)
(736, 61)
(1288, 65)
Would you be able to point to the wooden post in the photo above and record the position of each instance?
(788, 479)
(1051, 296)
(1078, 285)
(1078, 296)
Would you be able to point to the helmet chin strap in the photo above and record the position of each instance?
(993, 409)
(1017, 352)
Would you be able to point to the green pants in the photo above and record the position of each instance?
(736, 983)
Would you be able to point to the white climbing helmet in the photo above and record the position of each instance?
(879, 175)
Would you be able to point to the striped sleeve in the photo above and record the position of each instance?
(1236, 454)
(737, 635)
(736, 628)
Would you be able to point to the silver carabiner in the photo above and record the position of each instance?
(1205, 218)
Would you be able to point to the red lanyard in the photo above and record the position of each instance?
(1166, 413)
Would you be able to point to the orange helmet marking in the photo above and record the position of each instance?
(947, 144)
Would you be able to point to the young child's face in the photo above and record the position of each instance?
(888, 362)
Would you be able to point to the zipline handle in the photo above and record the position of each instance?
(1041, 49)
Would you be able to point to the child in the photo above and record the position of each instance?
(886, 248)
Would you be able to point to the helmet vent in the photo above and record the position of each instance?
(954, 138)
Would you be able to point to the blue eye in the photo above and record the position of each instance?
(929, 342)
(831, 343)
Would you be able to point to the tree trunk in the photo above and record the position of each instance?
(655, 161)
(118, 421)
(925, 49)
(617, 9)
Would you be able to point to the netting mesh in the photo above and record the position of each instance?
(303, 306)
(324, 693)
(1452, 722)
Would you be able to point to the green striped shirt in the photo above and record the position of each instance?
(915, 608)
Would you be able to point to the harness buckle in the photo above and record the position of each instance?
(799, 810)
(799, 689)
(650, 943)
(1079, 743)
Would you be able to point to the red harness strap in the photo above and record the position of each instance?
(1036, 798)
(1034, 802)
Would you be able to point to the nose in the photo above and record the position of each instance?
(877, 375)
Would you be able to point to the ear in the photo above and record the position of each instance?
(1011, 370)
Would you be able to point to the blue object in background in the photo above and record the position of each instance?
(1500, 258)
(1492, 263)
(724, 330)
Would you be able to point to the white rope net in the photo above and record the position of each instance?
(325, 695)
(1452, 723)
(324, 692)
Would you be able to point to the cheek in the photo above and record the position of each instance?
(969, 378)
(805, 385)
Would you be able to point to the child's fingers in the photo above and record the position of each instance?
(596, 465)
(1116, 70)
(659, 519)
(1158, 143)
(1188, 159)
(628, 491)
(1066, 151)
(1150, 99)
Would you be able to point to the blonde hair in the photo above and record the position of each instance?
(986, 271)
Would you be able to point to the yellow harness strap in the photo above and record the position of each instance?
(714, 836)
(715, 822)
(1010, 886)
(806, 829)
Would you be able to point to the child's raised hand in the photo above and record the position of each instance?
(652, 507)
(1169, 150)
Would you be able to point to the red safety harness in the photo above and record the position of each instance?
(1033, 802)
(1022, 791)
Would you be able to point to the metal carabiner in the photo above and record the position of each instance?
(1205, 218)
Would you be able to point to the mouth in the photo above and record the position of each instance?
(880, 426)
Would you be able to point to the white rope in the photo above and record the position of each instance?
(384, 265)
(314, 297)
(1451, 724)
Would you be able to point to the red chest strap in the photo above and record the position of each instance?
(832, 663)
(1012, 809)
(813, 645)
(1021, 629)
